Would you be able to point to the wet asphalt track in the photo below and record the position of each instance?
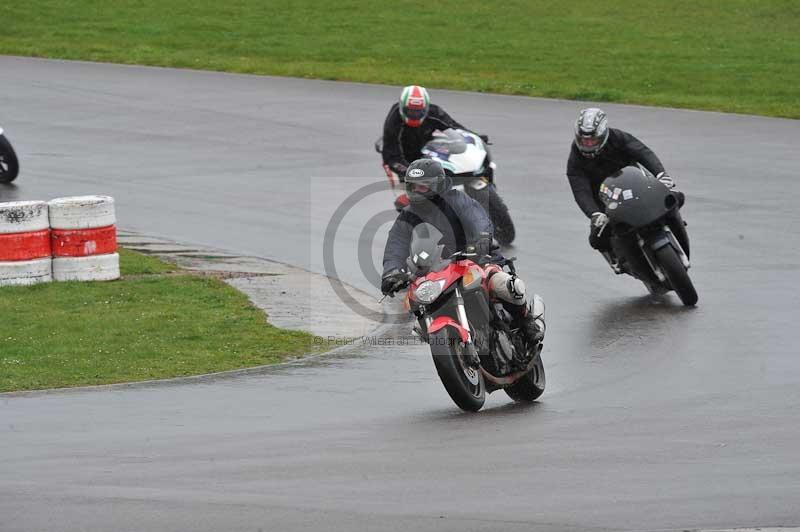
(656, 417)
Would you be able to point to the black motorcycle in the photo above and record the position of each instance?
(9, 164)
(646, 233)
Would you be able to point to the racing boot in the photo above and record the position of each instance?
(530, 320)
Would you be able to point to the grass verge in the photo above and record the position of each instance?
(150, 326)
(732, 55)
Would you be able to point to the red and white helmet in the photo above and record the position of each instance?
(414, 105)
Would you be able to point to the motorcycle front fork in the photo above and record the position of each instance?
(461, 314)
(469, 346)
(647, 251)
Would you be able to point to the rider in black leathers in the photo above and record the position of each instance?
(409, 125)
(598, 152)
(464, 224)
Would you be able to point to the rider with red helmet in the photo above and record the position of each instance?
(409, 125)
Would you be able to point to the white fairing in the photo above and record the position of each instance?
(1, 130)
(478, 184)
(538, 306)
(469, 161)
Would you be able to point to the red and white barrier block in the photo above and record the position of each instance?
(84, 239)
(25, 256)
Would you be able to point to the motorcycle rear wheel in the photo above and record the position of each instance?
(677, 275)
(9, 164)
(504, 230)
(531, 386)
(464, 384)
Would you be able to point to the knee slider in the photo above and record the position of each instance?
(507, 287)
(516, 288)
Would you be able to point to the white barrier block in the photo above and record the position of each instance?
(26, 272)
(92, 268)
(82, 212)
(23, 217)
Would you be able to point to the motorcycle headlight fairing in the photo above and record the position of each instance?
(473, 278)
(428, 291)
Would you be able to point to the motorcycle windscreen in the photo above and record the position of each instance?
(425, 250)
(635, 198)
(458, 151)
(445, 143)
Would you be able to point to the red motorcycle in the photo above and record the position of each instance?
(474, 346)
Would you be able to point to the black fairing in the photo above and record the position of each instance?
(635, 199)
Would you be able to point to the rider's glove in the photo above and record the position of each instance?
(392, 281)
(483, 245)
(599, 221)
(400, 169)
(666, 180)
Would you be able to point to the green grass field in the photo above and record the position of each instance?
(147, 327)
(729, 55)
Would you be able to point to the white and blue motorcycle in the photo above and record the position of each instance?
(466, 159)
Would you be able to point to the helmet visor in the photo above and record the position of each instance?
(421, 189)
(589, 143)
(415, 113)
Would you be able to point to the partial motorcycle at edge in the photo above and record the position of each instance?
(9, 164)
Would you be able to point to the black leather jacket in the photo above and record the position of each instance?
(402, 144)
(587, 174)
(458, 217)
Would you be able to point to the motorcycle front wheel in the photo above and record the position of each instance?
(463, 383)
(9, 164)
(677, 275)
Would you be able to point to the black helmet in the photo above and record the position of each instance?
(425, 179)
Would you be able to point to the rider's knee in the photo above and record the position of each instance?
(508, 287)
